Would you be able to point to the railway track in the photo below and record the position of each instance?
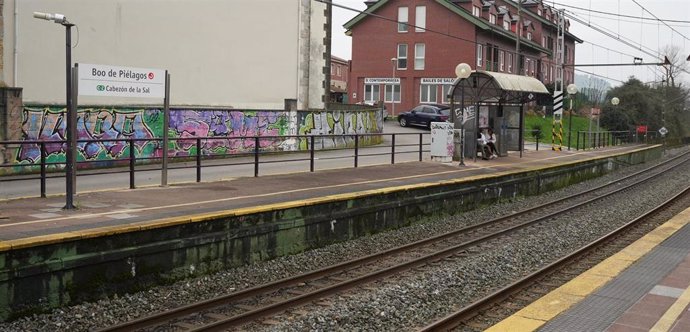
(250, 305)
(486, 311)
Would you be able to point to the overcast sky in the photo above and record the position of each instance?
(651, 35)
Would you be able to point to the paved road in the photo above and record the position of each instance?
(407, 149)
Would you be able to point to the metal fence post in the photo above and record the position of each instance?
(43, 169)
(356, 150)
(256, 156)
(577, 143)
(421, 145)
(131, 164)
(538, 134)
(311, 153)
(198, 159)
(393, 149)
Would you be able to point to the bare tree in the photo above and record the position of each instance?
(678, 64)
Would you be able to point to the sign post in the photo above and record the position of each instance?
(115, 81)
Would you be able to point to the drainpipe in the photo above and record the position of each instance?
(16, 35)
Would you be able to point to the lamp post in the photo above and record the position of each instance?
(614, 101)
(462, 71)
(70, 165)
(572, 90)
(395, 66)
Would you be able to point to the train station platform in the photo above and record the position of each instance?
(36, 220)
(119, 240)
(644, 287)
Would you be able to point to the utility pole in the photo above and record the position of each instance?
(518, 31)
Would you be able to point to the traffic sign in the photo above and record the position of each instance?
(663, 131)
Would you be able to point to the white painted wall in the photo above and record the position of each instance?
(226, 53)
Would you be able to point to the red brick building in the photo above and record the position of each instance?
(410, 57)
(340, 70)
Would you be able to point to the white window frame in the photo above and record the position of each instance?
(529, 35)
(402, 58)
(501, 60)
(395, 89)
(403, 19)
(431, 93)
(445, 89)
(419, 59)
(543, 41)
(420, 19)
(506, 24)
(369, 95)
(539, 12)
(476, 11)
(480, 56)
(510, 62)
(492, 18)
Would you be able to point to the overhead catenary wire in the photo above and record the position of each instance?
(649, 51)
(650, 13)
(621, 15)
(597, 75)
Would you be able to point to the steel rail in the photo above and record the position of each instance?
(276, 285)
(455, 319)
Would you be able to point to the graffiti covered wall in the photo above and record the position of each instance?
(111, 128)
(340, 123)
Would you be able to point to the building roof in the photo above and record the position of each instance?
(545, 21)
(484, 25)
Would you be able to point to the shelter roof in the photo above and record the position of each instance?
(493, 87)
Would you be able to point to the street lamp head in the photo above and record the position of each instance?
(615, 101)
(57, 18)
(463, 70)
(572, 89)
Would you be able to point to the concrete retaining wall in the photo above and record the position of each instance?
(59, 271)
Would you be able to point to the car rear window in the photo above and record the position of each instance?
(445, 111)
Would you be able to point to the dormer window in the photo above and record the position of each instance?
(476, 11)
(492, 18)
(529, 36)
(539, 12)
(506, 24)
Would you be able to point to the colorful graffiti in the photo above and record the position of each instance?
(223, 131)
(340, 123)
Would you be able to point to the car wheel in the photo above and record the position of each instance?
(403, 122)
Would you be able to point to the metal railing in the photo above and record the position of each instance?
(132, 161)
(593, 140)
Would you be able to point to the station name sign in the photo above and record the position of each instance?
(112, 81)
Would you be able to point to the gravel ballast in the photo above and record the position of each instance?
(417, 298)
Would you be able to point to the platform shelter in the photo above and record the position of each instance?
(492, 100)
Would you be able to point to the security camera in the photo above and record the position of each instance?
(57, 18)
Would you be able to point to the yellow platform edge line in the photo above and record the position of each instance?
(167, 222)
(562, 298)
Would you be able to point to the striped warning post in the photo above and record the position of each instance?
(557, 101)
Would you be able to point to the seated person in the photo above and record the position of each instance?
(491, 143)
(482, 146)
